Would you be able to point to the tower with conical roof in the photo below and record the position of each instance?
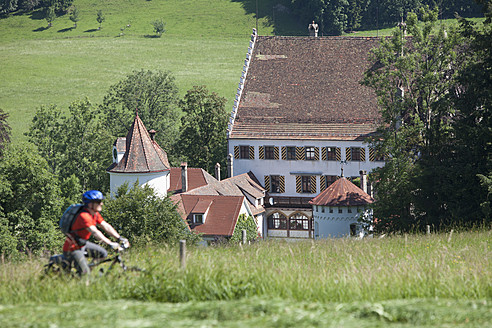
(337, 210)
(143, 161)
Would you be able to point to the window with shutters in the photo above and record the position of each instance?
(269, 152)
(291, 153)
(244, 152)
(329, 180)
(275, 183)
(310, 154)
(306, 184)
(277, 221)
(355, 154)
(331, 153)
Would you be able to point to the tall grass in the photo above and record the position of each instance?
(341, 270)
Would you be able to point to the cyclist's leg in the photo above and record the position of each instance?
(95, 251)
(78, 257)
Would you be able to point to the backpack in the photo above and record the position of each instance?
(69, 216)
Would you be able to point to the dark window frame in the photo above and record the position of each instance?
(244, 152)
(290, 153)
(277, 223)
(269, 152)
(275, 184)
(310, 153)
(306, 184)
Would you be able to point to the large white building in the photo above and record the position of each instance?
(299, 116)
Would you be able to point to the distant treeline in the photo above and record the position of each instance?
(337, 16)
(9, 6)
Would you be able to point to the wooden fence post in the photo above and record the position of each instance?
(182, 253)
(428, 229)
(244, 237)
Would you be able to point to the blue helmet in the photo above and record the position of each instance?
(92, 195)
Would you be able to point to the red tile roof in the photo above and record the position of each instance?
(342, 193)
(300, 87)
(142, 154)
(196, 178)
(221, 218)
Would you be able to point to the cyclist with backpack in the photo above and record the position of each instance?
(83, 226)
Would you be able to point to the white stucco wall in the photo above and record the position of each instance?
(333, 225)
(262, 167)
(160, 181)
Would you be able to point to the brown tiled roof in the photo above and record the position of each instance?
(342, 193)
(196, 178)
(142, 154)
(222, 215)
(120, 144)
(303, 87)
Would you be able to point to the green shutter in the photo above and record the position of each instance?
(261, 152)
(267, 183)
(362, 154)
(281, 184)
(300, 153)
(348, 154)
(322, 183)
(284, 152)
(251, 152)
(275, 152)
(298, 184)
(236, 152)
(338, 153)
(313, 184)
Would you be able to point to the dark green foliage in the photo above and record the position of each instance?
(158, 27)
(472, 142)
(74, 16)
(245, 223)
(100, 18)
(50, 15)
(30, 204)
(74, 145)
(143, 217)
(203, 139)
(8, 6)
(412, 188)
(154, 94)
(4, 130)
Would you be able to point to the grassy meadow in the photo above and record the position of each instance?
(419, 280)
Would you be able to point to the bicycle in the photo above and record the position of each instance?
(61, 264)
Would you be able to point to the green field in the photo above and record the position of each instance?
(437, 280)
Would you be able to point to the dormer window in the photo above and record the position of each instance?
(198, 218)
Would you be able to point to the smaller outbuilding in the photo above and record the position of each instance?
(337, 210)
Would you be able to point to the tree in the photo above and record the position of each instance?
(154, 95)
(471, 160)
(76, 144)
(74, 16)
(247, 223)
(30, 202)
(50, 15)
(100, 18)
(143, 217)
(4, 130)
(203, 139)
(158, 27)
(8, 6)
(412, 80)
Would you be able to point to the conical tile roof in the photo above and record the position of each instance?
(342, 193)
(142, 155)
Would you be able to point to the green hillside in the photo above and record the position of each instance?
(205, 43)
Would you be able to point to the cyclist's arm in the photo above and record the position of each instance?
(110, 230)
(99, 235)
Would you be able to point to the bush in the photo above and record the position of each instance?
(142, 217)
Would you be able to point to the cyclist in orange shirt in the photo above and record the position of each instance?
(84, 225)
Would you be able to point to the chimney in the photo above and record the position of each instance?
(363, 180)
(230, 170)
(152, 134)
(217, 171)
(313, 29)
(184, 177)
